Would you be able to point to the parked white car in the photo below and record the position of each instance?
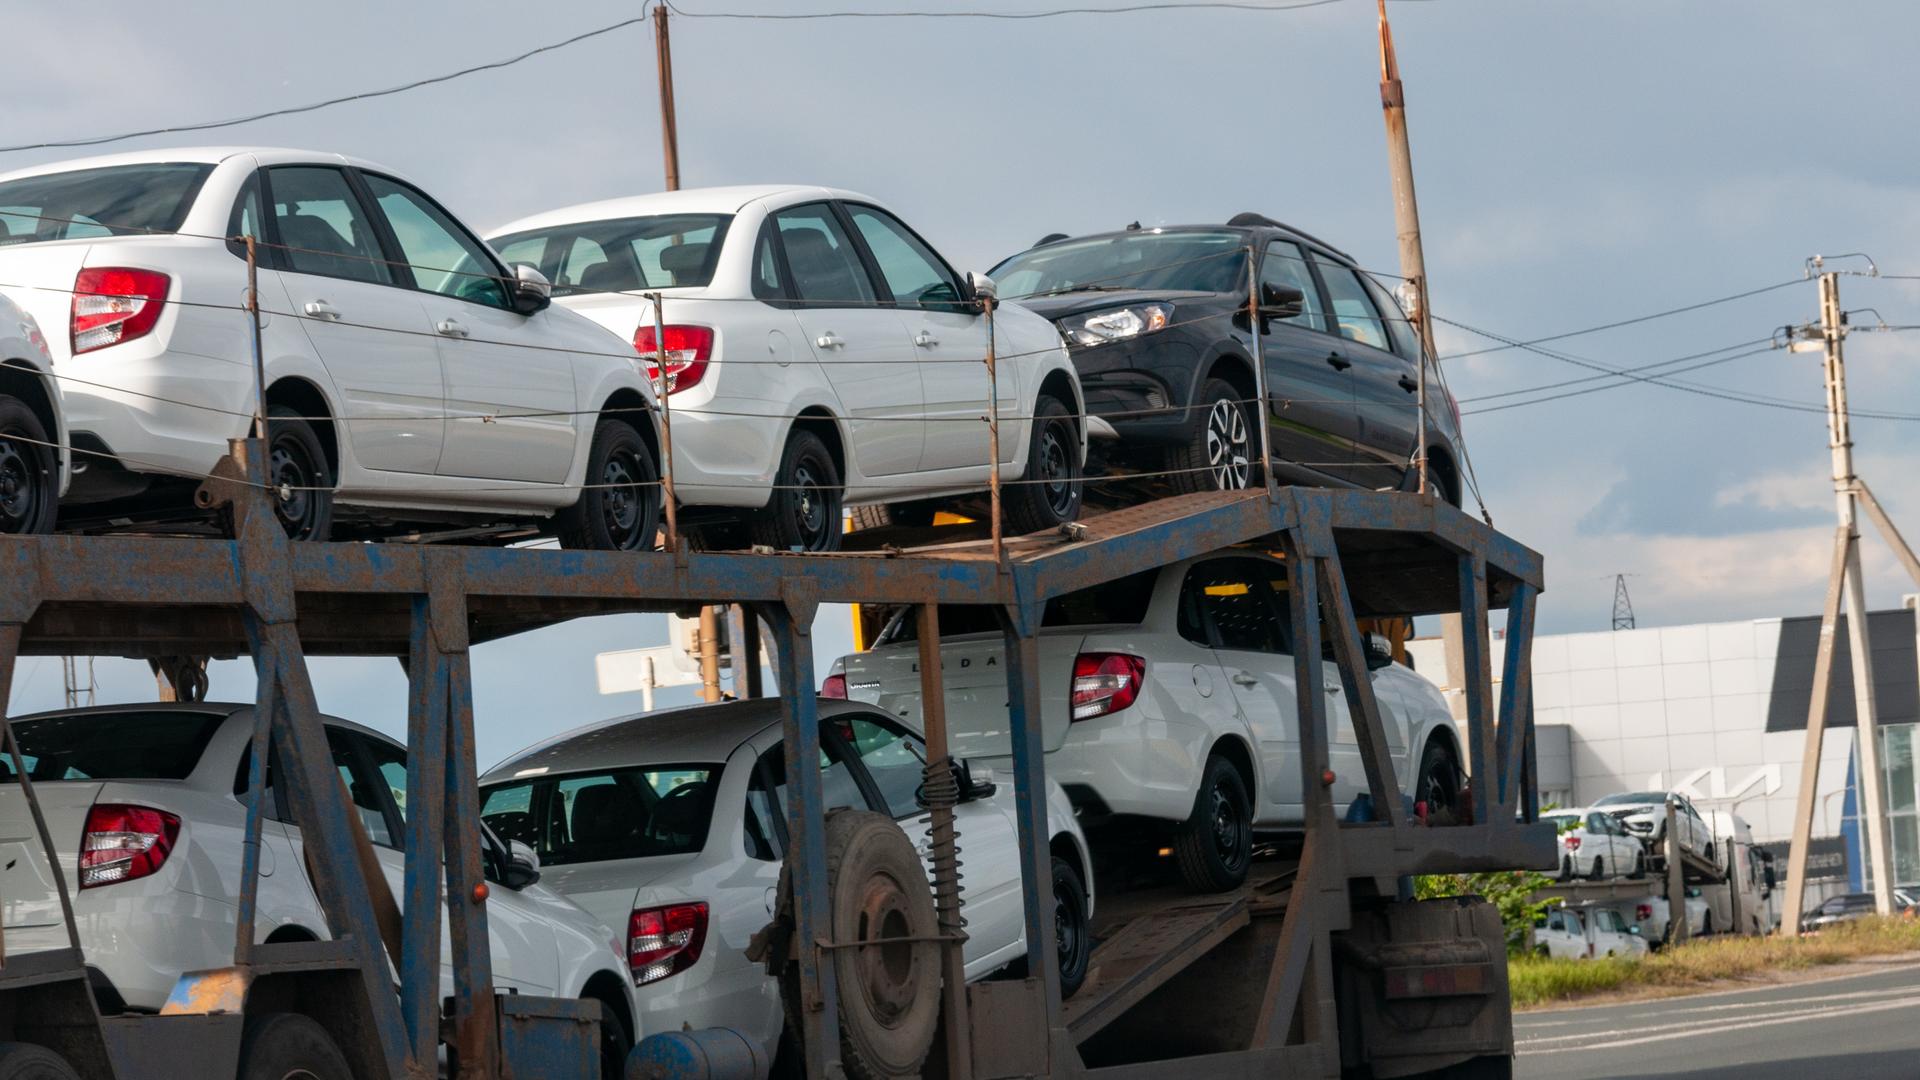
(673, 825)
(1594, 844)
(1167, 699)
(1650, 915)
(1585, 933)
(34, 465)
(819, 355)
(1644, 813)
(412, 378)
(151, 801)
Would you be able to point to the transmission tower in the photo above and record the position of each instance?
(1622, 604)
(79, 691)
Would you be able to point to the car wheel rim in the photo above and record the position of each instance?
(810, 508)
(1227, 830)
(1066, 927)
(1055, 470)
(292, 474)
(1439, 784)
(1227, 445)
(19, 494)
(621, 499)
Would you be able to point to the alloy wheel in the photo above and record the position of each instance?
(1228, 457)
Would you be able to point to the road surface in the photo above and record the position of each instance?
(1857, 1027)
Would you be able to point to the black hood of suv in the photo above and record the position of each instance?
(1060, 305)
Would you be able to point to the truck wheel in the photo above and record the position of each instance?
(276, 1046)
(29, 471)
(1049, 492)
(1223, 453)
(1215, 845)
(27, 1061)
(890, 991)
(621, 496)
(804, 511)
(297, 470)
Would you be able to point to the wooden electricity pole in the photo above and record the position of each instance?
(1406, 219)
(669, 128)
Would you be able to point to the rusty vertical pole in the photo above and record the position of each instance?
(1406, 217)
(669, 126)
(663, 389)
(1257, 328)
(253, 337)
(941, 796)
(709, 654)
(993, 428)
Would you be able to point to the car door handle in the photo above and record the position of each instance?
(1241, 678)
(1338, 362)
(829, 340)
(450, 328)
(1407, 384)
(925, 340)
(320, 309)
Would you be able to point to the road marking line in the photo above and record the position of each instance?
(1647, 1035)
(1683, 1010)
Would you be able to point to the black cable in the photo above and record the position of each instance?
(1131, 9)
(1642, 367)
(1616, 325)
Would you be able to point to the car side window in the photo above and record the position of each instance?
(1284, 265)
(442, 256)
(827, 272)
(1354, 315)
(1233, 599)
(1406, 343)
(245, 221)
(322, 227)
(837, 784)
(765, 826)
(893, 759)
(275, 804)
(910, 270)
(390, 762)
(362, 789)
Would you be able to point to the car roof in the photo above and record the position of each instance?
(708, 200)
(218, 708)
(1264, 225)
(695, 733)
(210, 155)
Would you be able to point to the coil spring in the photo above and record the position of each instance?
(942, 793)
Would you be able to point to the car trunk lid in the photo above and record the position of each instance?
(974, 675)
(39, 277)
(29, 896)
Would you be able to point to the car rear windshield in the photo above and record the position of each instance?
(1187, 260)
(120, 200)
(1122, 602)
(663, 251)
(113, 746)
(598, 816)
(1631, 798)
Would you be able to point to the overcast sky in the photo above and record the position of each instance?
(1577, 164)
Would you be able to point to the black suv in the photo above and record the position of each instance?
(1156, 321)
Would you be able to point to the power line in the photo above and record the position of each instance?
(1623, 322)
(1131, 9)
(1749, 345)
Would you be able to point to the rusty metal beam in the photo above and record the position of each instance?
(1376, 756)
(427, 718)
(1515, 728)
(941, 795)
(1479, 683)
(1030, 804)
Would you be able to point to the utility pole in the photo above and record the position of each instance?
(1622, 604)
(1406, 217)
(669, 129)
(1844, 579)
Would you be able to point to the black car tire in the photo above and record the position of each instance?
(1566, 868)
(1640, 865)
(1599, 869)
(1438, 782)
(804, 510)
(616, 1042)
(1223, 452)
(1050, 491)
(29, 471)
(1072, 931)
(621, 497)
(297, 470)
(274, 1046)
(1215, 845)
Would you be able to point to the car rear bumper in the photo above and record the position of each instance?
(160, 411)
(140, 942)
(1126, 763)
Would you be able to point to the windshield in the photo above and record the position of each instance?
(662, 251)
(1630, 798)
(122, 200)
(113, 746)
(1193, 261)
(1562, 822)
(632, 813)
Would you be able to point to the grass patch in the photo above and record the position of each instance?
(1540, 981)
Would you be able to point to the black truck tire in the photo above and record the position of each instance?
(29, 1061)
(275, 1046)
(889, 993)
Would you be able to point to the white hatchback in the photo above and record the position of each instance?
(1167, 699)
(672, 825)
(412, 379)
(1596, 845)
(150, 800)
(819, 355)
(33, 426)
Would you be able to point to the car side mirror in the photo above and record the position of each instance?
(532, 291)
(976, 781)
(1379, 651)
(1767, 878)
(1280, 301)
(980, 288)
(523, 866)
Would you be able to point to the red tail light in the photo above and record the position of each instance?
(834, 687)
(1642, 912)
(688, 350)
(122, 843)
(1105, 683)
(664, 940)
(1573, 843)
(112, 304)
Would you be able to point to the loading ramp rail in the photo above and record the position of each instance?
(1353, 554)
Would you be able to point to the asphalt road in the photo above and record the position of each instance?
(1856, 1027)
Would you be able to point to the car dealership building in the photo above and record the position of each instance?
(1719, 711)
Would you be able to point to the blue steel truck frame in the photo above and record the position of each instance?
(1324, 966)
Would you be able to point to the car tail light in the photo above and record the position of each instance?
(121, 843)
(688, 350)
(1642, 912)
(835, 686)
(1573, 843)
(112, 304)
(1105, 683)
(664, 940)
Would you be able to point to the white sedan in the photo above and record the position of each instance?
(1596, 845)
(413, 380)
(1586, 933)
(1168, 704)
(672, 825)
(1644, 814)
(819, 354)
(34, 466)
(151, 800)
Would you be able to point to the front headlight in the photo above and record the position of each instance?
(1116, 324)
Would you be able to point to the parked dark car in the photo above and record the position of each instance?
(1848, 907)
(1156, 321)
